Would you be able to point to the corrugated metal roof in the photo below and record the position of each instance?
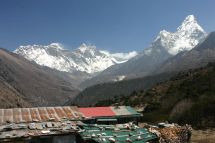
(25, 131)
(40, 114)
(108, 111)
(97, 111)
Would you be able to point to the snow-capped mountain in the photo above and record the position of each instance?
(166, 45)
(106, 66)
(198, 57)
(86, 58)
(187, 36)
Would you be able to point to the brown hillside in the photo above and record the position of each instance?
(38, 87)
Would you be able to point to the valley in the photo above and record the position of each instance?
(26, 84)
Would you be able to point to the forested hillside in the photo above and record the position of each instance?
(188, 97)
(93, 94)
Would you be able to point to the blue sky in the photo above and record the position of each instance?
(114, 25)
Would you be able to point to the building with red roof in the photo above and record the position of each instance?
(92, 112)
(110, 115)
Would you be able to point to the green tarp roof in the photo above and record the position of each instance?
(101, 134)
(124, 110)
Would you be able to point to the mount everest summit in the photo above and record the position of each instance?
(86, 58)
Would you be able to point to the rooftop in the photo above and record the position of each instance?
(121, 133)
(19, 123)
(25, 123)
(40, 114)
(108, 111)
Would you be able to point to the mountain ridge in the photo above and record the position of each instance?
(165, 45)
(198, 57)
(86, 58)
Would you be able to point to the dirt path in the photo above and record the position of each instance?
(203, 136)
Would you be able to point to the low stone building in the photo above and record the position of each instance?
(39, 125)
